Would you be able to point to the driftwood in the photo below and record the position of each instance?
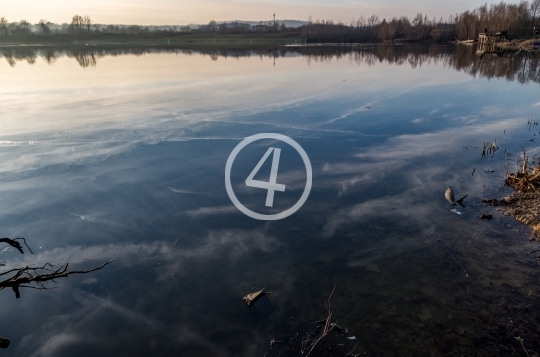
(34, 277)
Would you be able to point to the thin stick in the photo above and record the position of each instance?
(465, 271)
(352, 349)
(327, 323)
(521, 341)
(24, 240)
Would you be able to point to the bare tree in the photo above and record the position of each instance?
(34, 277)
(76, 26)
(21, 28)
(535, 12)
(80, 25)
(361, 22)
(25, 27)
(44, 27)
(373, 20)
(222, 27)
(212, 26)
(4, 26)
(516, 18)
(87, 23)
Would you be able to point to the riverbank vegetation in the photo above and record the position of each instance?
(523, 204)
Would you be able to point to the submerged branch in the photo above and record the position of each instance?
(28, 275)
(34, 277)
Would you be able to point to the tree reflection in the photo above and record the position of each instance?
(522, 67)
(85, 58)
(14, 55)
(49, 56)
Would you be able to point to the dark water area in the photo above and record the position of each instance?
(121, 153)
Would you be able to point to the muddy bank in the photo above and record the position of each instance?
(524, 204)
(528, 45)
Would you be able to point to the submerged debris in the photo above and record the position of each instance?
(486, 216)
(338, 328)
(251, 298)
(320, 338)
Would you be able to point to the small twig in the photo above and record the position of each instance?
(521, 341)
(327, 323)
(465, 271)
(352, 350)
(24, 240)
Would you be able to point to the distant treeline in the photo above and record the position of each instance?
(523, 67)
(373, 29)
(517, 19)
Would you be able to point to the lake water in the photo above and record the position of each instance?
(120, 153)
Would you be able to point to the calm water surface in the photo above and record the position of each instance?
(121, 154)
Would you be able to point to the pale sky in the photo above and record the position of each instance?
(182, 12)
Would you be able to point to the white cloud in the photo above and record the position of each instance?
(51, 346)
(211, 211)
(379, 162)
(238, 242)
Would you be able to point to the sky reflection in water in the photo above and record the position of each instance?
(125, 159)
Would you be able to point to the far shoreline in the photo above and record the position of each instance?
(278, 39)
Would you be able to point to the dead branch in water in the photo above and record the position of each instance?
(34, 277)
(327, 325)
(313, 338)
(38, 275)
(15, 244)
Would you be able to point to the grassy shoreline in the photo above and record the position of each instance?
(189, 39)
(155, 39)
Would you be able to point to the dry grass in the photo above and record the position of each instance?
(525, 179)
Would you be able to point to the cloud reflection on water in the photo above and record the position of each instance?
(419, 160)
(58, 335)
(122, 185)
